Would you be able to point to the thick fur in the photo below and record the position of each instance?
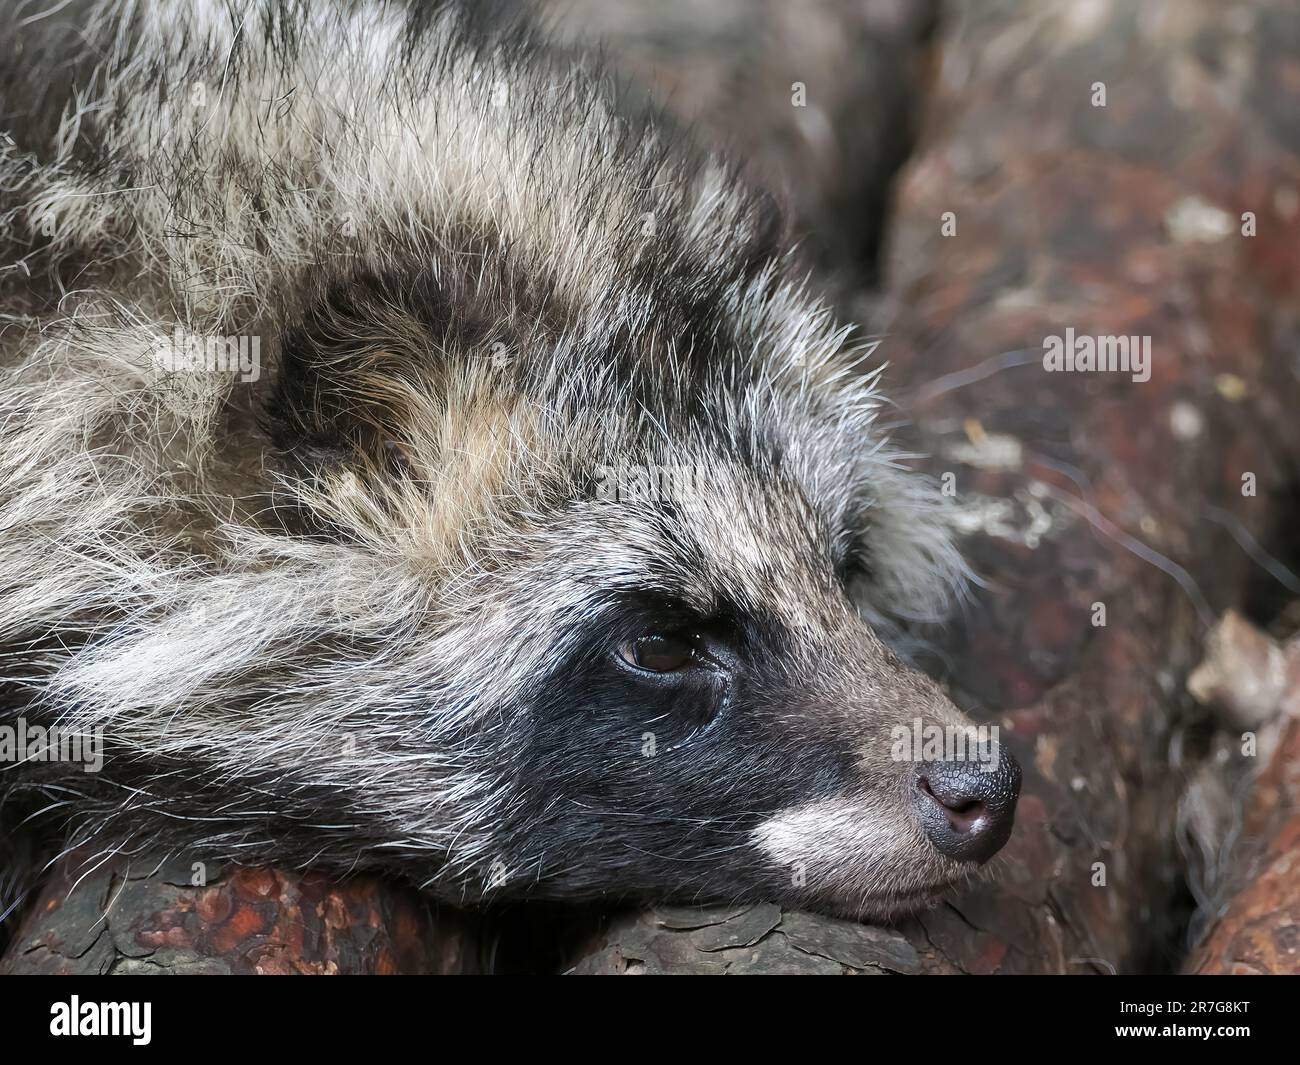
(359, 613)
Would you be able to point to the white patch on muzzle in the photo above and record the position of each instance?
(865, 858)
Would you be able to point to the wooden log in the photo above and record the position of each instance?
(1253, 918)
(1258, 931)
(94, 919)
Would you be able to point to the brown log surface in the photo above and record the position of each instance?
(1255, 682)
(102, 920)
(1257, 929)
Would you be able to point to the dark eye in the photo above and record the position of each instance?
(659, 652)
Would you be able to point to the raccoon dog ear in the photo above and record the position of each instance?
(355, 372)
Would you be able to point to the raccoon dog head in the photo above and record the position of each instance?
(656, 546)
(580, 537)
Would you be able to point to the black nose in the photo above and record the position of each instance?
(968, 806)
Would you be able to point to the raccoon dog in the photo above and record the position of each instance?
(411, 459)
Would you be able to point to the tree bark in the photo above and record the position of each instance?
(1253, 918)
(1258, 932)
(111, 919)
